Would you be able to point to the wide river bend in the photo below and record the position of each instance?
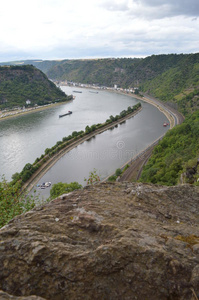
(24, 138)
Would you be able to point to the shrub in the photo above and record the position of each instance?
(61, 188)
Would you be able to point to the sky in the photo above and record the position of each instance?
(63, 29)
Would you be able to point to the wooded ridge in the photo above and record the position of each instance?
(27, 86)
(173, 78)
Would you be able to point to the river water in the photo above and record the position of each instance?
(24, 138)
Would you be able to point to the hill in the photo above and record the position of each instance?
(178, 84)
(173, 78)
(21, 83)
(177, 153)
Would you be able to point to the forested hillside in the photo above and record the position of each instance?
(21, 83)
(173, 78)
(177, 153)
(102, 72)
(179, 84)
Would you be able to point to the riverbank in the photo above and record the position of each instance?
(155, 103)
(21, 112)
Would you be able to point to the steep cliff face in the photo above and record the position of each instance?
(108, 241)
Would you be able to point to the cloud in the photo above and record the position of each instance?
(173, 8)
(50, 29)
(115, 5)
(155, 9)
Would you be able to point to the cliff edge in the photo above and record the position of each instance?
(107, 241)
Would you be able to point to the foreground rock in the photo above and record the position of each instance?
(108, 241)
(6, 296)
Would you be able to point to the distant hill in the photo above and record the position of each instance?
(21, 83)
(173, 78)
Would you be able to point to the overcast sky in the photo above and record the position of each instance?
(61, 29)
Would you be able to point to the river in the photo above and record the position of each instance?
(24, 138)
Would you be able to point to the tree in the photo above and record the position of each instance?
(118, 172)
(88, 129)
(74, 133)
(112, 118)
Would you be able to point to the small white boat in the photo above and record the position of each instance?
(44, 185)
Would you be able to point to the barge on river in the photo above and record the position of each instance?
(68, 113)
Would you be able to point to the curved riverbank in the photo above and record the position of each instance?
(167, 111)
(21, 112)
(28, 186)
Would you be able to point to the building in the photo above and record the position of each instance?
(28, 102)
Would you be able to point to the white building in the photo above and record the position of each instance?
(28, 102)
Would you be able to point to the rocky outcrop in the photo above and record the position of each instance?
(107, 241)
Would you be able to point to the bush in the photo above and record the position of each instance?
(118, 172)
(11, 202)
(61, 188)
(93, 177)
(112, 178)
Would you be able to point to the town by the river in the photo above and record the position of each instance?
(24, 138)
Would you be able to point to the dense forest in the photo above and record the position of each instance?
(21, 83)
